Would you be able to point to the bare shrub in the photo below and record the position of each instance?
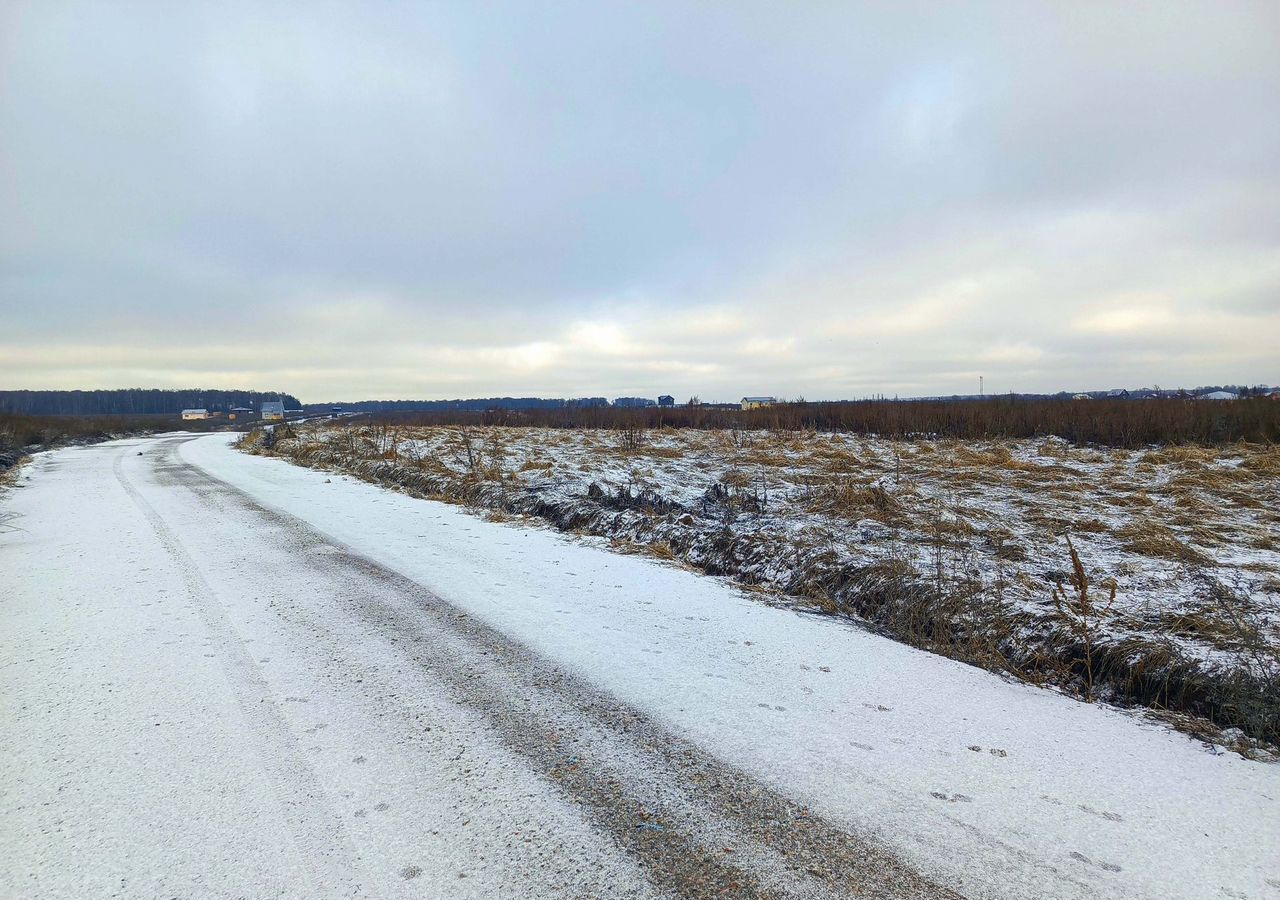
(467, 450)
(631, 437)
(1112, 423)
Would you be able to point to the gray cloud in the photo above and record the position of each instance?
(432, 200)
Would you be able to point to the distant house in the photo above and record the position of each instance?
(1219, 395)
(335, 411)
(273, 411)
(632, 402)
(189, 414)
(757, 402)
(666, 400)
(239, 413)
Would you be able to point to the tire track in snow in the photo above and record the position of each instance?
(672, 806)
(322, 846)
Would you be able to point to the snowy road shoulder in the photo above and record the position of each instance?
(997, 789)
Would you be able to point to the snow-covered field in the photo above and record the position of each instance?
(1180, 545)
(197, 639)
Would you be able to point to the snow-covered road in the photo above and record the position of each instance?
(224, 675)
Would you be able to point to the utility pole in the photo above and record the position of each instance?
(980, 389)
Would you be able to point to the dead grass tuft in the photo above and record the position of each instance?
(1058, 522)
(855, 500)
(1264, 539)
(1180, 455)
(764, 457)
(662, 550)
(1054, 450)
(997, 457)
(1263, 461)
(1153, 539)
(1135, 498)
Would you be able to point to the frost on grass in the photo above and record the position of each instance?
(1140, 577)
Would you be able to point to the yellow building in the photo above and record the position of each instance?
(757, 402)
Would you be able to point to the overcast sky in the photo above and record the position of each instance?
(377, 200)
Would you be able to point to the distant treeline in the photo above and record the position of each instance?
(1114, 423)
(134, 401)
(481, 404)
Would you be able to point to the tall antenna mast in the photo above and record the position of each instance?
(980, 390)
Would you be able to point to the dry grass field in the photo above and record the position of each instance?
(1147, 577)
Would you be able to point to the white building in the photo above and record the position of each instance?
(188, 414)
(273, 411)
(757, 402)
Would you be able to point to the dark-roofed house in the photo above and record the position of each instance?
(273, 411)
